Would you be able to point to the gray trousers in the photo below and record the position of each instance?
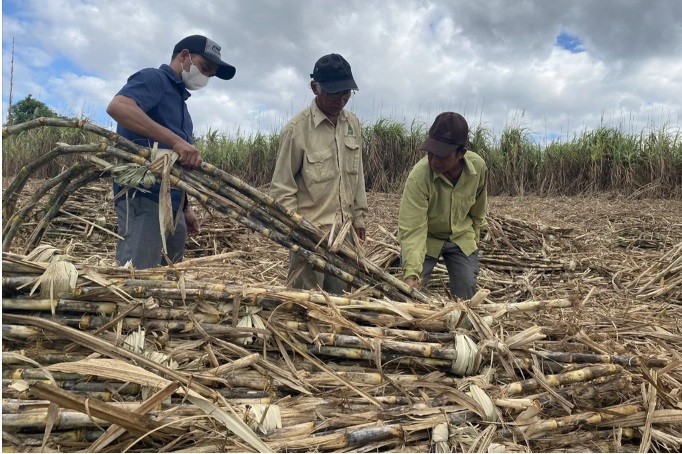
(462, 270)
(310, 279)
(138, 224)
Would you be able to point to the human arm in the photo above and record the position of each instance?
(479, 208)
(283, 187)
(128, 114)
(360, 203)
(413, 229)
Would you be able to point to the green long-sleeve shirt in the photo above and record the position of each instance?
(433, 211)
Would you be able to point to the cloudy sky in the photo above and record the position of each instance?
(555, 68)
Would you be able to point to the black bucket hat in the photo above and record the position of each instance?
(333, 74)
(447, 134)
(209, 49)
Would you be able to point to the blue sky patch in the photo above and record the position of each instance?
(570, 42)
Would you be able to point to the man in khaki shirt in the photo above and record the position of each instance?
(318, 172)
(443, 208)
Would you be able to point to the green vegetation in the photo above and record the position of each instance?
(28, 109)
(647, 164)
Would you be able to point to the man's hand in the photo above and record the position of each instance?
(412, 282)
(360, 232)
(128, 114)
(192, 222)
(188, 155)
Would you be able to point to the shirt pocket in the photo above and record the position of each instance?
(319, 165)
(461, 204)
(353, 155)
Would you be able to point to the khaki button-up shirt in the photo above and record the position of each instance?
(318, 172)
(433, 211)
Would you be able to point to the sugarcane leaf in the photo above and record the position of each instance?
(43, 253)
(263, 417)
(113, 369)
(52, 415)
(232, 422)
(182, 286)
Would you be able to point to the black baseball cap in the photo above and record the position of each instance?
(333, 74)
(208, 48)
(448, 133)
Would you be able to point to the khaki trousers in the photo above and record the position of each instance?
(310, 279)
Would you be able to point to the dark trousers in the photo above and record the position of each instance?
(462, 270)
(138, 224)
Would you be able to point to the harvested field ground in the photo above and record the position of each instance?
(587, 287)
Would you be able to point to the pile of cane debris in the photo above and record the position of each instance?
(560, 350)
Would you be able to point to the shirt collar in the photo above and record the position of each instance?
(319, 116)
(175, 79)
(468, 166)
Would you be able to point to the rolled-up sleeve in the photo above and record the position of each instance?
(283, 186)
(413, 227)
(360, 204)
(478, 209)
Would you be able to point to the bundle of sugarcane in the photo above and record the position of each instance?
(336, 418)
(380, 369)
(212, 187)
(95, 296)
(330, 422)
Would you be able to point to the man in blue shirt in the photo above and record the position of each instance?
(150, 108)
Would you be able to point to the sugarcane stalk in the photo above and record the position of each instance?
(12, 192)
(37, 421)
(286, 241)
(15, 282)
(138, 155)
(74, 382)
(422, 349)
(310, 232)
(15, 221)
(580, 375)
(35, 374)
(105, 348)
(222, 292)
(627, 361)
(115, 431)
(19, 181)
(23, 333)
(256, 226)
(98, 323)
(103, 308)
(39, 355)
(379, 332)
(368, 355)
(57, 201)
(65, 439)
(578, 438)
(592, 418)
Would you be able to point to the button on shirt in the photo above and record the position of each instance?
(318, 172)
(161, 94)
(433, 211)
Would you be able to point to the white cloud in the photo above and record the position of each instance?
(494, 61)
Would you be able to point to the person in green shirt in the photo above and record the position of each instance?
(443, 208)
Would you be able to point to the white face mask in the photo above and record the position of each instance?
(193, 79)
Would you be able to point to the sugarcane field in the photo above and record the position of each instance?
(572, 342)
